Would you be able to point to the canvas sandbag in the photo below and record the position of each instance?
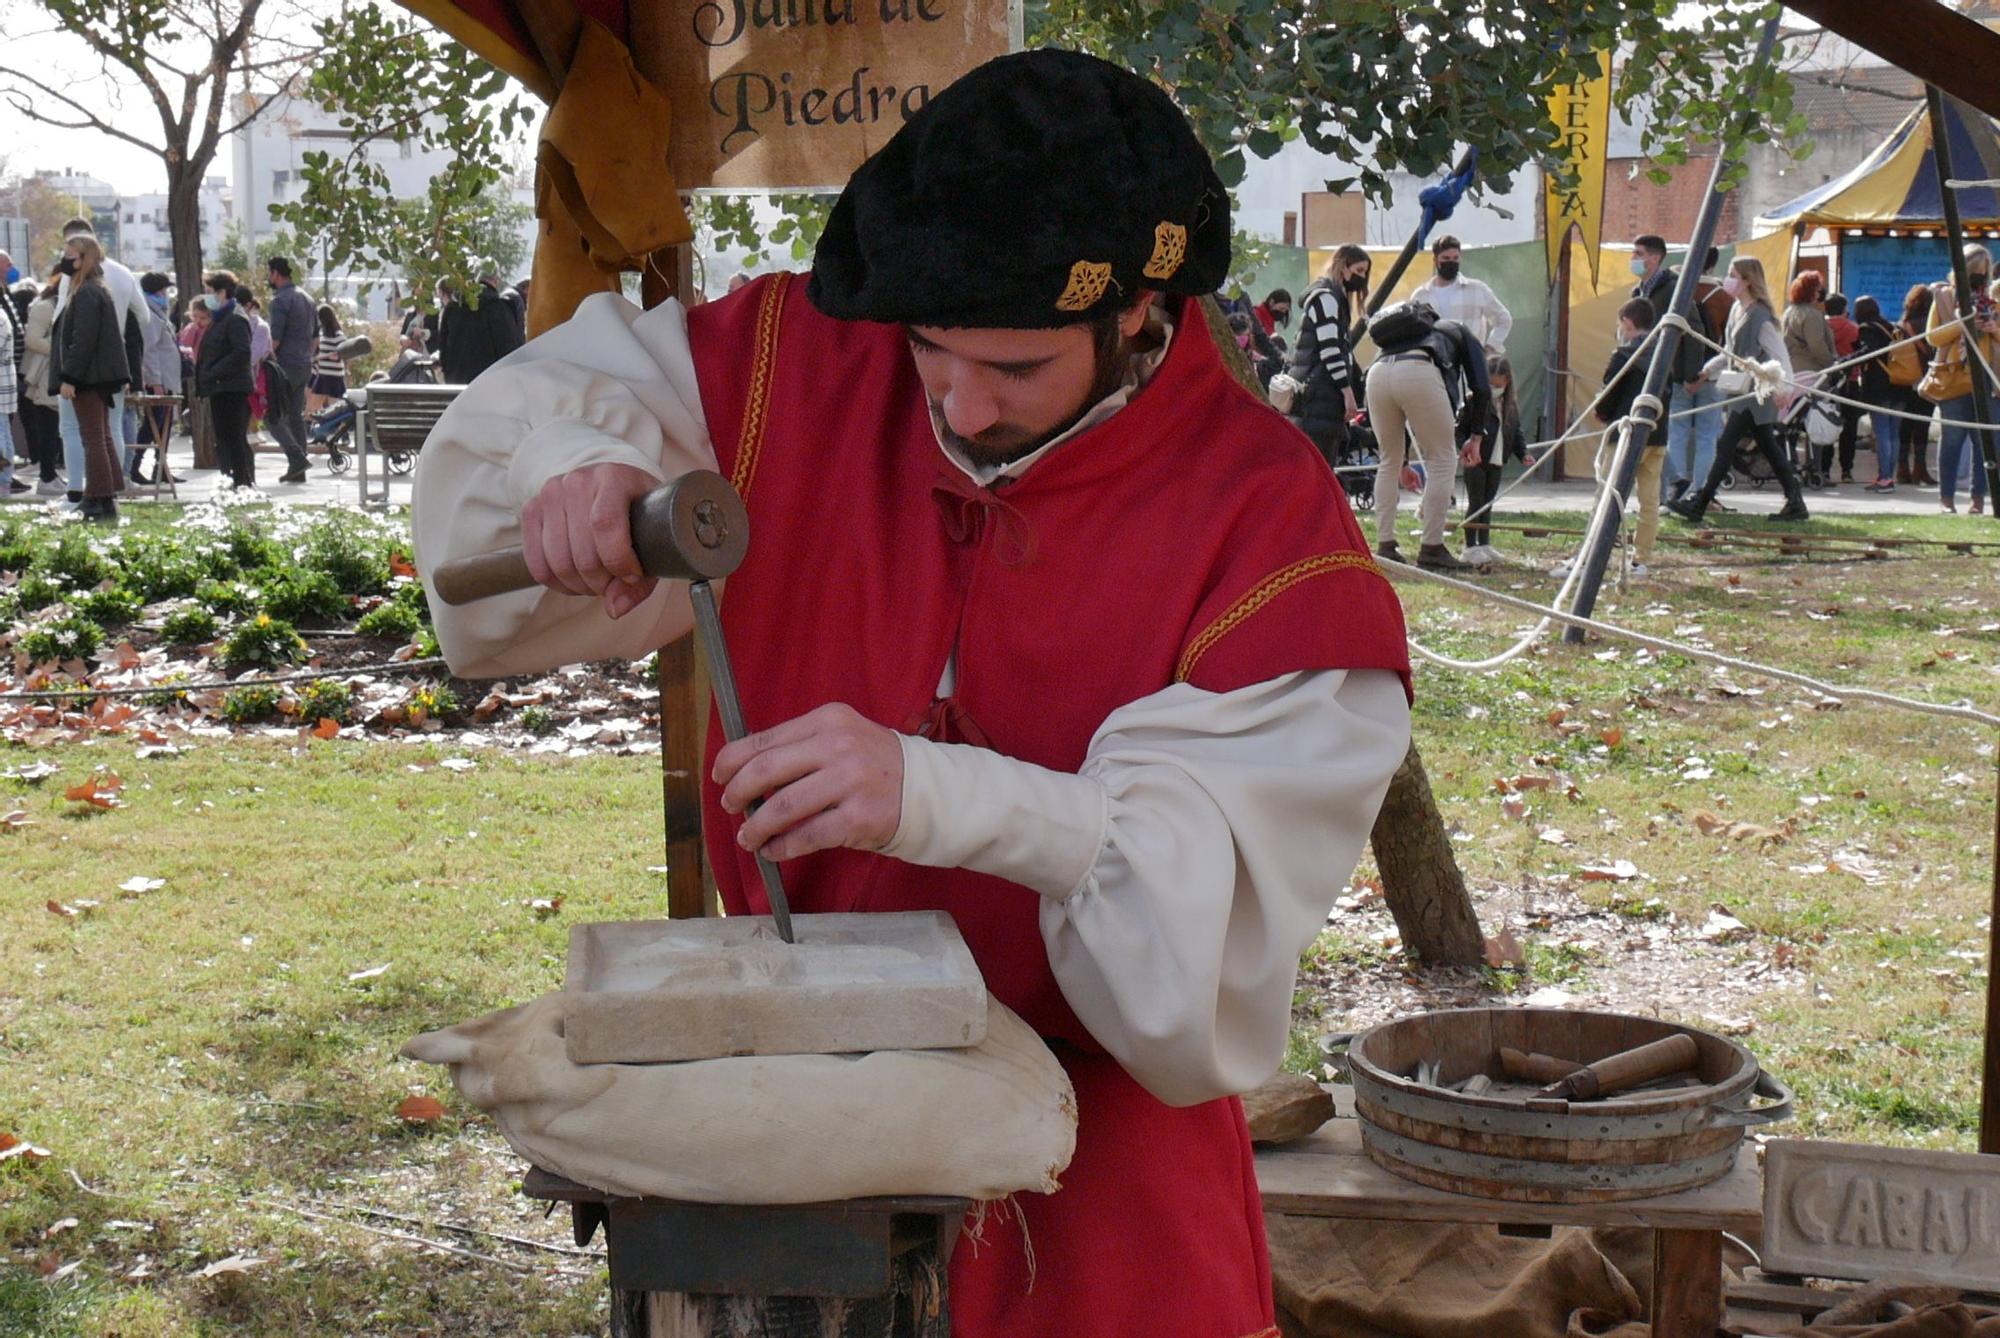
(980, 1123)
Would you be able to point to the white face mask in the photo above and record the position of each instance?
(1732, 285)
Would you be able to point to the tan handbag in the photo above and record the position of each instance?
(1949, 376)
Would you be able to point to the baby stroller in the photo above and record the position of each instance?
(1356, 463)
(333, 426)
(1805, 425)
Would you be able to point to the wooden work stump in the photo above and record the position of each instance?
(862, 1268)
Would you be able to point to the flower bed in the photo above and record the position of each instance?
(228, 595)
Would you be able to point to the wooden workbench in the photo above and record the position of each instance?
(1328, 1175)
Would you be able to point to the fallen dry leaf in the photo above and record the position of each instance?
(235, 1263)
(1526, 783)
(16, 818)
(1611, 737)
(1557, 716)
(57, 908)
(400, 565)
(1721, 926)
(1613, 871)
(420, 1110)
(371, 972)
(1555, 836)
(12, 1147)
(100, 790)
(138, 885)
(1505, 950)
(1725, 829)
(34, 773)
(327, 728)
(544, 907)
(1514, 807)
(57, 1227)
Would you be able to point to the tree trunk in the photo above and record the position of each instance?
(184, 225)
(1420, 878)
(184, 228)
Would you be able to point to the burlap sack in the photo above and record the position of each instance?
(981, 1123)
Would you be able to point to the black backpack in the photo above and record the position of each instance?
(1400, 328)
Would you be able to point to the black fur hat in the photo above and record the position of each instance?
(1042, 189)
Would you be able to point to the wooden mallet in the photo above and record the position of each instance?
(693, 529)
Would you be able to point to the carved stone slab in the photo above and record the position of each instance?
(657, 991)
(1844, 1210)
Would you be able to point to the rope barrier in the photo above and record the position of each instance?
(1758, 371)
(303, 675)
(1668, 646)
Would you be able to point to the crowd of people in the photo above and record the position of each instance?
(98, 365)
(1439, 397)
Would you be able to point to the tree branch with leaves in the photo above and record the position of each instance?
(184, 55)
(388, 80)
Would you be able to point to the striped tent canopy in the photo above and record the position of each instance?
(1897, 186)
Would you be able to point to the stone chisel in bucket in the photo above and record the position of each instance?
(654, 991)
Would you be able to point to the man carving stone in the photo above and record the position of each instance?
(1046, 622)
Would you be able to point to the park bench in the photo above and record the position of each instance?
(394, 422)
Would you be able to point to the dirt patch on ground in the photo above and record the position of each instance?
(1550, 947)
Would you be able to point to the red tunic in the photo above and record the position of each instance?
(1194, 536)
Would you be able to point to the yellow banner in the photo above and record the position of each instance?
(1582, 113)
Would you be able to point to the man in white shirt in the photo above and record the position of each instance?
(131, 307)
(1467, 301)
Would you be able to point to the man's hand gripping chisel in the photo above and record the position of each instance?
(694, 529)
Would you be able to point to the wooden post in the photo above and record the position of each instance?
(1559, 364)
(1989, 1095)
(1687, 1283)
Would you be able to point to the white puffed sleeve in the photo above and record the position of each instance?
(612, 384)
(1186, 867)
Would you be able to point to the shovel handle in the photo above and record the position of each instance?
(466, 579)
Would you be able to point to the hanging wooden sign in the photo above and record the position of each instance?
(795, 94)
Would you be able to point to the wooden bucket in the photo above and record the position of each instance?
(1548, 1149)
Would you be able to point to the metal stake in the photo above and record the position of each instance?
(722, 680)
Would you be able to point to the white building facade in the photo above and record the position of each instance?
(145, 241)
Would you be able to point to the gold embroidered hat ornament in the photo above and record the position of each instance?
(1042, 189)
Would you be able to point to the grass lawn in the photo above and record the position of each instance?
(212, 1055)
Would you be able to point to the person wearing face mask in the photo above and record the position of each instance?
(222, 375)
(1274, 312)
(88, 367)
(1753, 336)
(1323, 361)
(1499, 437)
(123, 285)
(160, 373)
(1656, 280)
(1466, 301)
(1949, 381)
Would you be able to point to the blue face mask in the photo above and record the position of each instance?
(1638, 267)
(13, 274)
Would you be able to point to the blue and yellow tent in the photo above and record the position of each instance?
(1886, 216)
(1897, 186)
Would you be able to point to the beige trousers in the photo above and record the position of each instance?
(1411, 394)
(1651, 459)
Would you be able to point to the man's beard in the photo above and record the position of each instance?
(1001, 445)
